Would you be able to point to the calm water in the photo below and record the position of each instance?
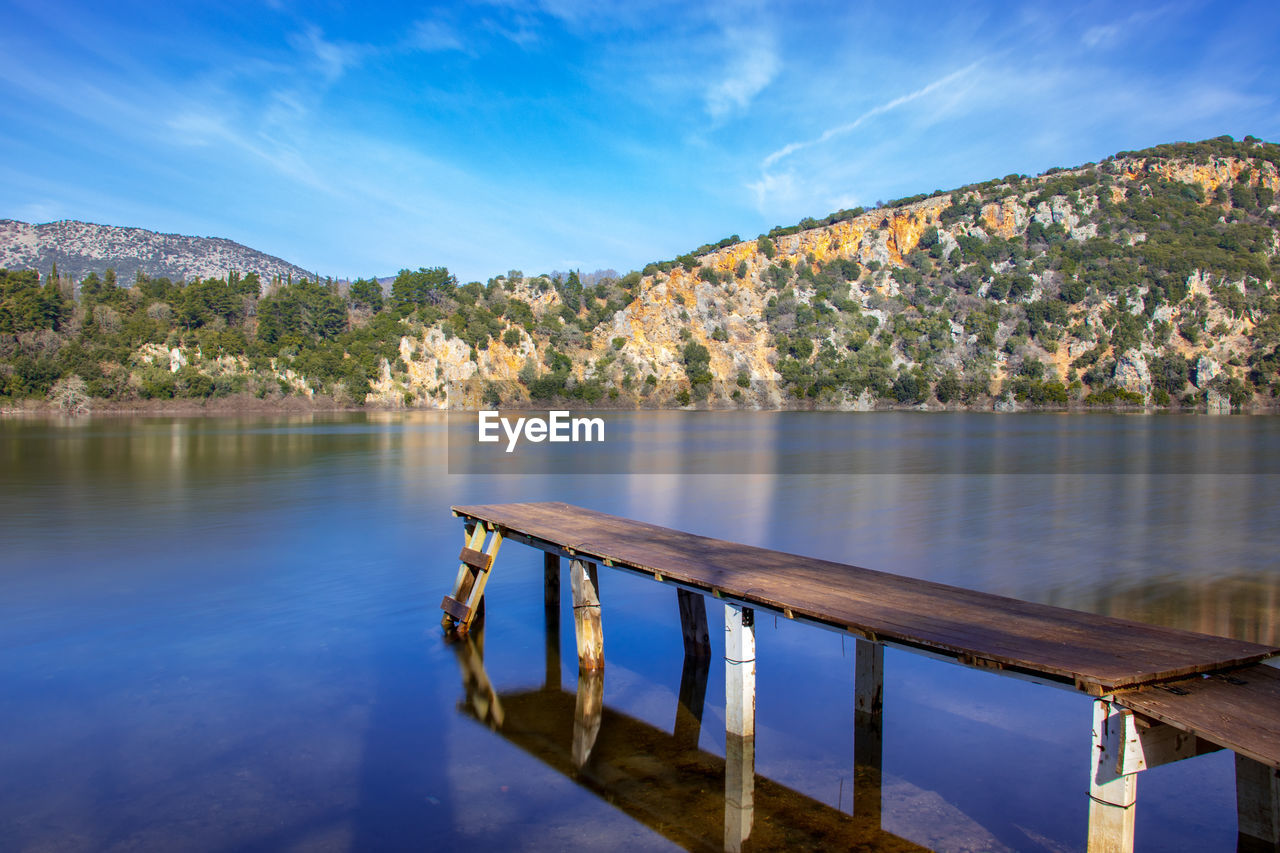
(223, 634)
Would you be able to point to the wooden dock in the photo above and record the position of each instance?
(1161, 694)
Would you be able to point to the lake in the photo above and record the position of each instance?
(224, 633)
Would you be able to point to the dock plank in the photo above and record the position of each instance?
(1099, 654)
(1237, 709)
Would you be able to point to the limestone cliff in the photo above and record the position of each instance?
(1039, 287)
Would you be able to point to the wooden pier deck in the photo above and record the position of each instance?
(1191, 692)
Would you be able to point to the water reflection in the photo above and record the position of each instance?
(895, 443)
(663, 779)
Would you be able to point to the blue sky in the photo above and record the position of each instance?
(557, 134)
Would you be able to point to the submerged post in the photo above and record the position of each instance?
(1113, 786)
(551, 618)
(740, 724)
(1257, 805)
(693, 674)
(587, 713)
(868, 728)
(551, 581)
(586, 614)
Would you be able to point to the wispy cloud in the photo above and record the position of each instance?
(434, 35)
(840, 130)
(1111, 32)
(331, 59)
(753, 64)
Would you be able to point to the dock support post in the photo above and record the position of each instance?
(467, 601)
(868, 728)
(551, 619)
(739, 790)
(693, 674)
(740, 724)
(693, 695)
(693, 624)
(740, 670)
(1257, 805)
(551, 581)
(586, 615)
(1113, 786)
(587, 713)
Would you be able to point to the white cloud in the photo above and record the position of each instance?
(330, 58)
(753, 64)
(434, 36)
(840, 130)
(1099, 35)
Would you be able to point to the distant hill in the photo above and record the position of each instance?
(79, 248)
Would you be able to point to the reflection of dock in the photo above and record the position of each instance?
(662, 779)
(1161, 694)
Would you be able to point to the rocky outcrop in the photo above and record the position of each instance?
(1132, 373)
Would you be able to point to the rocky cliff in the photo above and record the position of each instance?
(1145, 279)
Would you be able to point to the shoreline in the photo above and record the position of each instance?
(298, 405)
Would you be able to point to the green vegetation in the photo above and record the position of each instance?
(1103, 285)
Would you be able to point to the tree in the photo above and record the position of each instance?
(26, 306)
(204, 300)
(425, 287)
(366, 293)
(70, 395)
(307, 310)
(948, 387)
(697, 366)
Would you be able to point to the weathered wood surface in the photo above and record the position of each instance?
(585, 583)
(1098, 654)
(1238, 709)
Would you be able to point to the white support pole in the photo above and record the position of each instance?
(739, 790)
(740, 670)
(1257, 805)
(1113, 786)
(740, 724)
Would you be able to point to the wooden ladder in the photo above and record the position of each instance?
(477, 558)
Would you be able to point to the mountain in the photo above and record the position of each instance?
(1147, 279)
(79, 248)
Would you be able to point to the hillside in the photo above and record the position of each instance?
(1147, 279)
(79, 248)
